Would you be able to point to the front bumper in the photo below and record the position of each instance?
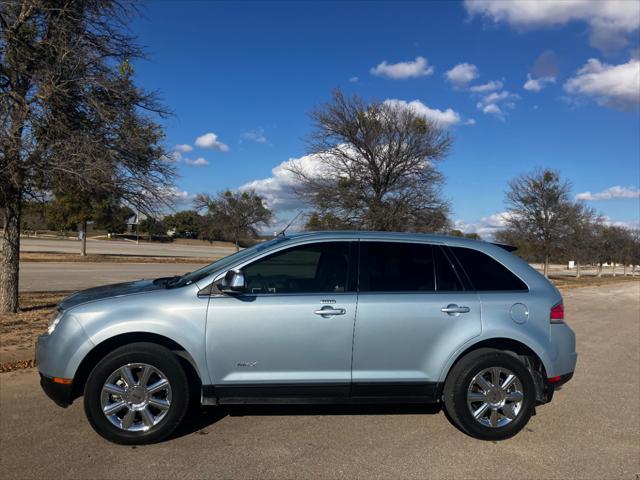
(61, 394)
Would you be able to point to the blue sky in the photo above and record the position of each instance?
(249, 73)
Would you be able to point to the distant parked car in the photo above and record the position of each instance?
(332, 317)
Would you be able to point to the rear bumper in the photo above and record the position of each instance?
(61, 394)
(556, 384)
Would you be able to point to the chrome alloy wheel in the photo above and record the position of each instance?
(495, 397)
(136, 397)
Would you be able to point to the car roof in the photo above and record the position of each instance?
(397, 236)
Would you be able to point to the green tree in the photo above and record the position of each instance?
(377, 167)
(185, 223)
(72, 117)
(153, 227)
(81, 207)
(237, 214)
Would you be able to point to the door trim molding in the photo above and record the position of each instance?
(289, 393)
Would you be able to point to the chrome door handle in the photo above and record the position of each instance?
(329, 311)
(452, 309)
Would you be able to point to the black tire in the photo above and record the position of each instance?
(461, 376)
(159, 358)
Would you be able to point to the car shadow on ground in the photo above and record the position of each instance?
(199, 417)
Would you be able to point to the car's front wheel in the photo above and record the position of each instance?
(137, 394)
(490, 394)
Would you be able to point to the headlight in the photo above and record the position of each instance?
(54, 321)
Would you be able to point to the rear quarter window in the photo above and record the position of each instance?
(485, 273)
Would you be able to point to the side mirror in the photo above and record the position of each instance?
(233, 282)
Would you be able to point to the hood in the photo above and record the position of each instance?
(109, 291)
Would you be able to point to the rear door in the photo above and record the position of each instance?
(413, 313)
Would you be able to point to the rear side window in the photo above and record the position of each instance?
(396, 267)
(446, 278)
(485, 273)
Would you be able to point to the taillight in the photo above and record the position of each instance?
(557, 313)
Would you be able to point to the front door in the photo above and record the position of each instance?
(290, 334)
(413, 311)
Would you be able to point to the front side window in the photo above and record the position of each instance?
(485, 273)
(396, 267)
(313, 268)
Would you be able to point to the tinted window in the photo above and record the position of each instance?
(396, 267)
(485, 273)
(446, 278)
(314, 268)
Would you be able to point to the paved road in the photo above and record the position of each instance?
(125, 248)
(591, 430)
(63, 276)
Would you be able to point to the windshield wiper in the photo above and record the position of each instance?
(168, 282)
(173, 281)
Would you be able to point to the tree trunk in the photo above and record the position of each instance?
(577, 268)
(599, 274)
(546, 266)
(624, 269)
(10, 263)
(83, 245)
(613, 269)
(237, 242)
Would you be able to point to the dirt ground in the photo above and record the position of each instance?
(18, 332)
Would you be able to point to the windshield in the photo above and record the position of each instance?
(226, 262)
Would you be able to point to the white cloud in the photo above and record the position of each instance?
(486, 227)
(462, 74)
(492, 109)
(610, 21)
(184, 147)
(487, 87)
(354, 79)
(444, 118)
(537, 84)
(631, 224)
(612, 85)
(210, 140)
(278, 190)
(610, 193)
(256, 135)
(494, 103)
(418, 68)
(172, 157)
(198, 162)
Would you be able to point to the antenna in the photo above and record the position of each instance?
(283, 231)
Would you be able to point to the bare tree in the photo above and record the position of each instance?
(540, 210)
(72, 118)
(378, 167)
(580, 242)
(235, 213)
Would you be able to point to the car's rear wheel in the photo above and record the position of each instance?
(490, 394)
(137, 394)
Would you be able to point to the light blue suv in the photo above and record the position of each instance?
(333, 317)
